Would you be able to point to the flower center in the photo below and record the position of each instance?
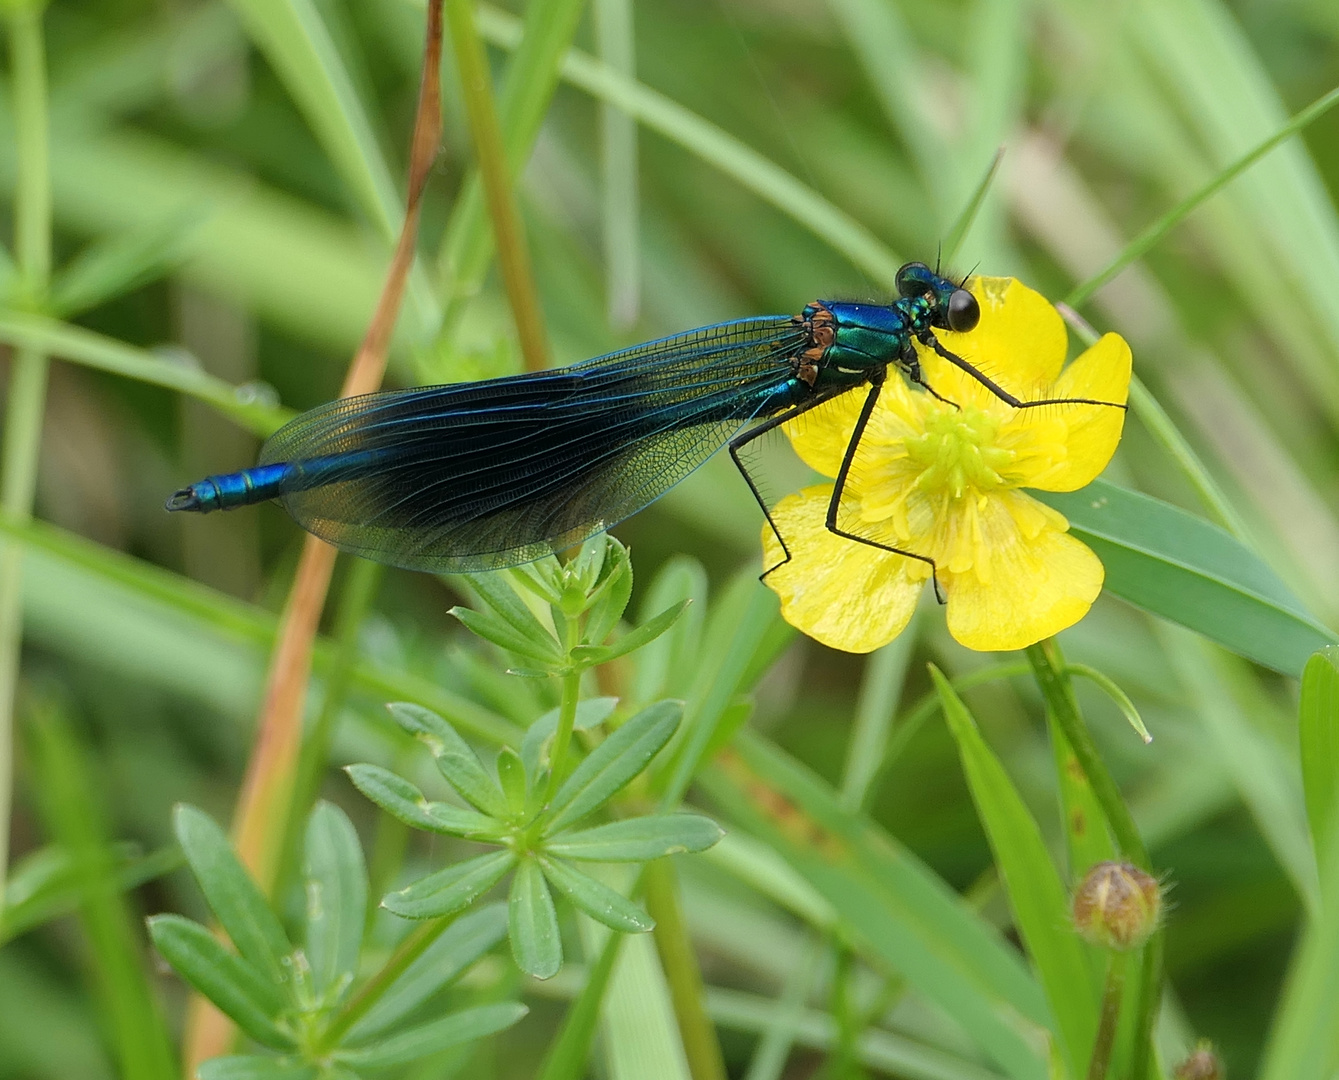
(957, 454)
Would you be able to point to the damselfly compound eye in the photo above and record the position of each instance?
(963, 311)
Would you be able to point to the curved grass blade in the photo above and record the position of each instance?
(1188, 571)
(1038, 897)
(1318, 732)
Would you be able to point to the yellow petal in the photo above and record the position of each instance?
(847, 595)
(1101, 373)
(1033, 586)
(1020, 343)
(1064, 447)
(820, 435)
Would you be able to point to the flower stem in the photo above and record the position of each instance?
(1048, 666)
(1106, 1026)
(700, 1044)
(28, 377)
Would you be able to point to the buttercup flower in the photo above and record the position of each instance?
(947, 483)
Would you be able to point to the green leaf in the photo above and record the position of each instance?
(590, 713)
(404, 802)
(336, 896)
(458, 947)
(613, 764)
(1037, 895)
(255, 1067)
(234, 898)
(495, 591)
(591, 655)
(535, 942)
(896, 911)
(638, 839)
(121, 263)
(597, 899)
(230, 982)
(541, 647)
(435, 1036)
(511, 778)
(609, 600)
(1191, 572)
(666, 666)
(456, 759)
(450, 889)
(1318, 732)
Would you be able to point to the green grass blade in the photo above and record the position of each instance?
(897, 911)
(732, 157)
(298, 44)
(68, 570)
(68, 342)
(1155, 233)
(1037, 895)
(618, 168)
(1318, 733)
(133, 1020)
(1191, 572)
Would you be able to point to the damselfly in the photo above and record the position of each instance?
(485, 475)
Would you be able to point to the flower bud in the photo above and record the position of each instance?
(1203, 1064)
(1117, 906)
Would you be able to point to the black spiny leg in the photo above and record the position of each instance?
(866, 411)
(931, 342)
(911, 364)
(742, 440)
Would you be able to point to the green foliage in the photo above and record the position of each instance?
(530, 807)
(225, 178)
(297, 1001)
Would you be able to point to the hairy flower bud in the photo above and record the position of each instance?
(1117, 906)
(1203, 1064)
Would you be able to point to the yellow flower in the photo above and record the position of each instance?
(946, 483)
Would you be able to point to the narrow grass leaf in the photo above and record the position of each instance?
(533, 923)
(455, 758)
(336, 896)
(1038, 897)
(569, 1051)
(1318, 732)
(235, 900)
(538, 645)
(665, 667)
(255, 1067)
(435, 1036)
(43, 884)
(638, 839)
(441, 963)
(68, 796)
(450, 889)
(596, 899)
(241, 991)
(613, 764)
(1191, 572)
(641, 1037)
(633, 640)
(898, 912)
(404, 802)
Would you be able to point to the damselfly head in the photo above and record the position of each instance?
(955, 308)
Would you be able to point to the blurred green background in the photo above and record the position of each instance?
(242, 244)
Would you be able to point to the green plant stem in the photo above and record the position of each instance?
(1112, 991)
(1048, 666)
(1154, 234)
(880, 690)
(513, 258)
(409, 950)
(700, 1045)
(562, 736)
(28, 377)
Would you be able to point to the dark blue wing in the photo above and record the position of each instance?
(485, 475)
